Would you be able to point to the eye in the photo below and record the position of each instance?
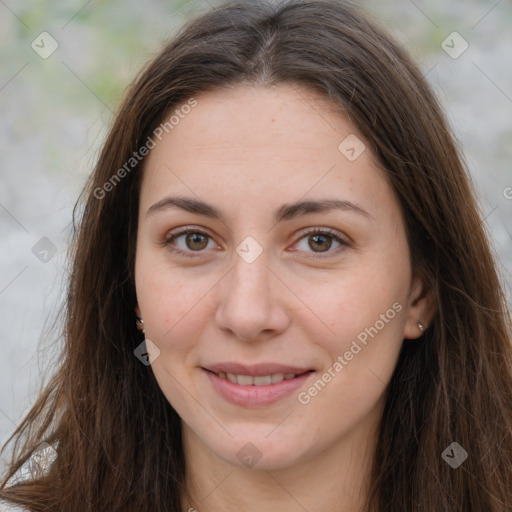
(321, 240)
(193, 240)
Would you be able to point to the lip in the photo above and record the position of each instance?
(256, 396)
(255, 370)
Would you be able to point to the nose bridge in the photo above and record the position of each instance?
(250, 280)
(250, 273)
(248, 304)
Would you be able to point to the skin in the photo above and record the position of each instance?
(247, 151)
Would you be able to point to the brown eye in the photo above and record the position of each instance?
(187, 242)
(320, 243)
(196, 241)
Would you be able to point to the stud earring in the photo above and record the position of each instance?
(421, 327)
(140, 325)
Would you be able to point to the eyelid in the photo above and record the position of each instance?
(184, 230)
(343, 240)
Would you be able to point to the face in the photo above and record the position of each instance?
(277, 323)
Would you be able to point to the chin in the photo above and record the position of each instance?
(257, 452)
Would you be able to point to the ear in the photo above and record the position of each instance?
(137, 311)
(421, 307)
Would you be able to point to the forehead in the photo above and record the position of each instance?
(284, 116)
(283, 140)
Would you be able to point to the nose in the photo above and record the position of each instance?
(252, 301)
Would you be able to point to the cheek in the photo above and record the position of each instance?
(173, 303)
(362, 355)
(357, 301)
(366, 316)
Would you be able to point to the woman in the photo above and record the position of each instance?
(220, 352)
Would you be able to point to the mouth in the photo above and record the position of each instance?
(252, 391)
(259, 380)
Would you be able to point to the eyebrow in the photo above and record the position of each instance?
(285, 212)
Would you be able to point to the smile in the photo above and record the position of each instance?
(256, 391)
(263, 380)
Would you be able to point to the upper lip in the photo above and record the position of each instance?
(255, 370)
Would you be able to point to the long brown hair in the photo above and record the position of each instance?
(118, 439)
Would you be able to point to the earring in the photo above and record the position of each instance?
(421, 327)
(140, 325)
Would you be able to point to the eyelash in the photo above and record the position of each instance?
(190, 254)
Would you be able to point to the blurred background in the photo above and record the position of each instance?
(63, 69)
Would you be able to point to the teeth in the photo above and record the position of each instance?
(263, 380)
(244, 380)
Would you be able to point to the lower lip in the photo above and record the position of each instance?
(255, 396)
